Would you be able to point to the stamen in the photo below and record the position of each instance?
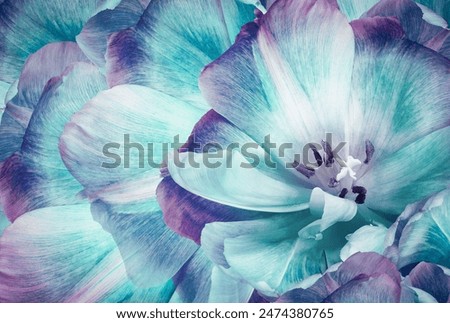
(302, 169)
(359, 190)
(316, 155)
(370, 149)
(329, 160)
(343, 193)
(360, 199)
(333, 182)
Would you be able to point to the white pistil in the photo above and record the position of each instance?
(348, 169)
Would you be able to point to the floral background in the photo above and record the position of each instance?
(370, 225)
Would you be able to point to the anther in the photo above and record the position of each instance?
(359, 190)
(329, 160)
(343, 193)
(317, 156)
(370, 149)
(360, 199)
(302, 169)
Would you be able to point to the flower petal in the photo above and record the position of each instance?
(170, 48)
(414, 20)
(431, 279)
(4, 222)
(48, 62)
(33, 177)
(368, 264)
(67, 263)
(426, 236)
(152, 253)
(266, 253)
(237, 181)
(331, 209)
(94, 36)
(441, 7)
(388, 89)
(379, 289)
(367, 238)
(193, 280)
(398, 180)
(225, 289)
(187, 214)
(123, 133)
(355, 9)
(26, 26)
(265, 87)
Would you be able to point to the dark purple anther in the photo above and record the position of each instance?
(359, 190)
(343, 193)
(316, 155)
(302, 169)
(360, 199)
(370, 149)
(329, 158)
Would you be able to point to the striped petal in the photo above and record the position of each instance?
(48, 62)
(27, 26)
(33, 177)
(72, 260)
(93, 38)
(172, 42)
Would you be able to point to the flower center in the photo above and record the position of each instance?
(335, 175)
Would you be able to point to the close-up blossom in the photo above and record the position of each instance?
(225, 151)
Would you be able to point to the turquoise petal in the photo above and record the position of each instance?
(120, 135)
(50, 61)
(226, 289)
(441, 7)
(426, 236)
(27, 26)
(272, 82)
(409, 174)
(354, 9)
(72, 260)
(172, 43)
(93, 38)
(366, 239)
(34, 177)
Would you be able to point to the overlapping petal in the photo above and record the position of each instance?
(26, 26)
(172, 42)
(33, 177)
(60, 254)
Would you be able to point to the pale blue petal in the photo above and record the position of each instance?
(34, 177)
(27, 26)
(226, 289)
(441, 7)
(354, 9)
(331, 209)
(71, 260)
(253, 187)
(266, 253)
(400, 179)
(366, 239)
(94, 144)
